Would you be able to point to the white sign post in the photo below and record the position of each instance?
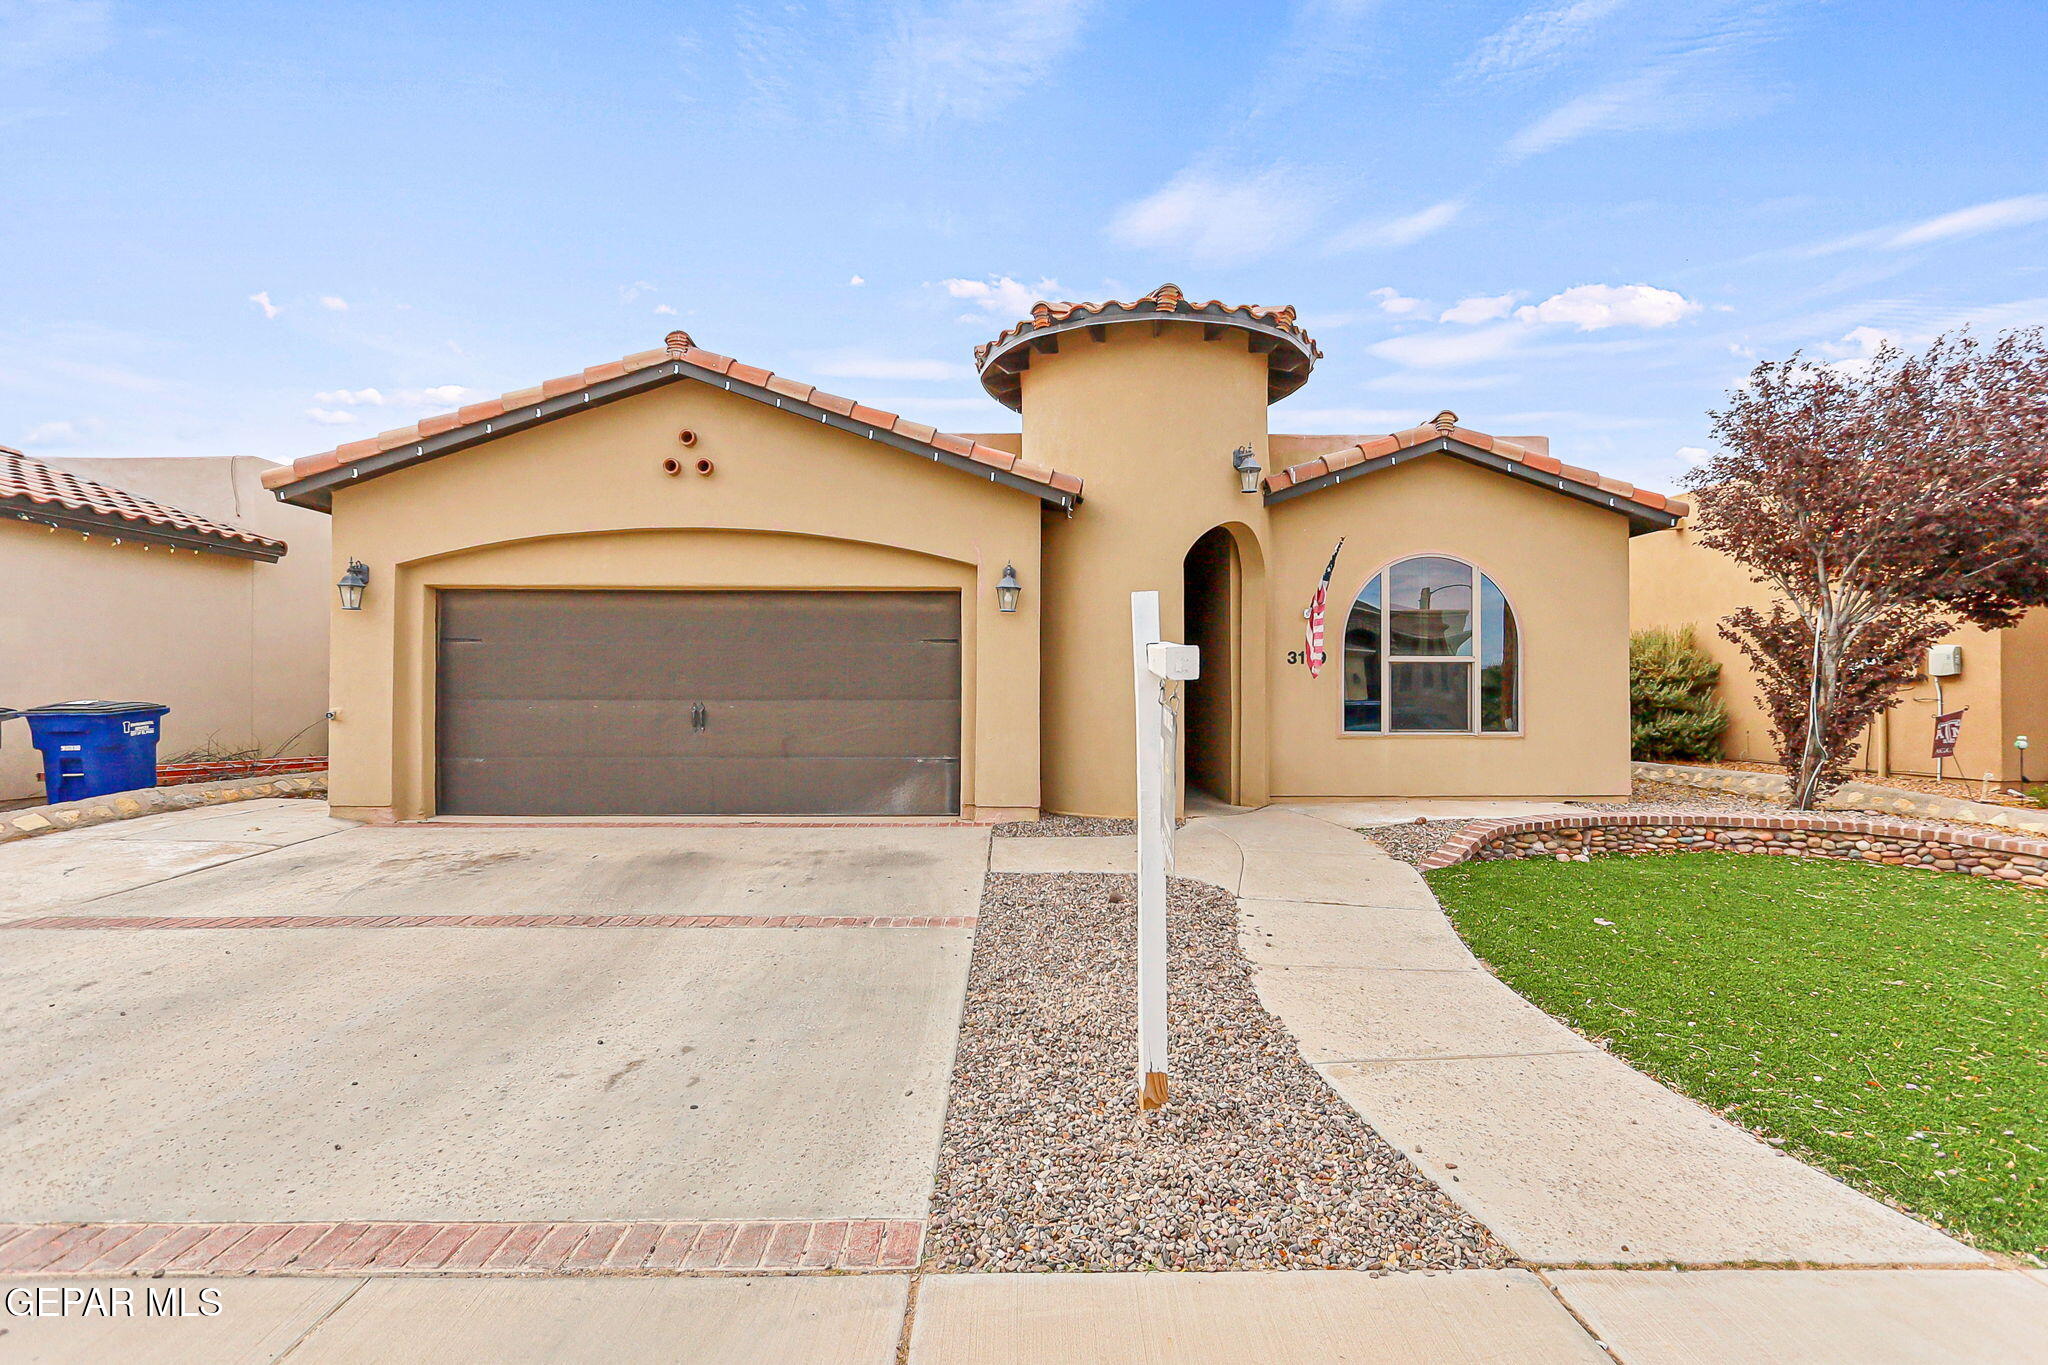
(1154, 664)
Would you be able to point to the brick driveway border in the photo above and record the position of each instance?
(488, 1248)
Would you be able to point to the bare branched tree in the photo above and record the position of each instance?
(1877, 500)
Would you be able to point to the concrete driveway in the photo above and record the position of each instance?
(396, 1071)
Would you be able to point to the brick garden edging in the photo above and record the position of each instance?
(1883, 842)
(99, 810)
(369, 1248)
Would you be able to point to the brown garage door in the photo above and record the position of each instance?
(728, 703)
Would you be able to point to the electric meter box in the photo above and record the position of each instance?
(1944, 661)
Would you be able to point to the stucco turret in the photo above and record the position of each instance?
(1147, 401)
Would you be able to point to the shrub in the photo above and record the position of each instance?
(1672, 710)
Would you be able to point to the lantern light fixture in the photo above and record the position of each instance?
(1245, 461)
(1008, 589)
(352, 583)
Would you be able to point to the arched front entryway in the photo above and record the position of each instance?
(1218, 581)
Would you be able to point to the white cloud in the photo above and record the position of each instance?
(1690, 454)
(1994, 216)
(1402, 231)
(332, 417)
(441, 394)
(1699, 77)
(1538, 38)
(65, 433)
(1586, 307)
(1480, 308)
(333, 304)
(1394, 302)
(856, 282)
(856, 364)
(999, 295)
(663, 310)
(2000, 213)
(1591, 307)
(351, 397)
(262, 300)
(967, 59)
(1448, 350)
(1214, 219)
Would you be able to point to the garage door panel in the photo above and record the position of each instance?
(564, 729)
(649, 786)
(770, 702)
(793, 670)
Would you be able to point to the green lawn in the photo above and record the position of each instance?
(1890, 1026)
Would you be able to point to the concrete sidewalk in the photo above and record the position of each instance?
(1636, 1317)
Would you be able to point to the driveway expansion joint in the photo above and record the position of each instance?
(496, 922)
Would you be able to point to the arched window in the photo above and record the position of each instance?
(1420, 659)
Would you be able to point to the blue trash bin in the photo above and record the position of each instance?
(91, 748)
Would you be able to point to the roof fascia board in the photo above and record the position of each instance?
(1641, 519)
(119, 528)
(317, 490)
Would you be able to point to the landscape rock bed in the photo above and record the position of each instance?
(1069, 826)
(2023, 861)
(1255, 1163)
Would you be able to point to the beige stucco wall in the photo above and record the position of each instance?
(1149, 421)
(583, 502)
(1677, 581)
(1563, 565)
(236, 648)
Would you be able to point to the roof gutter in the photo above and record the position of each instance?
(62, 518)
(1641, 518)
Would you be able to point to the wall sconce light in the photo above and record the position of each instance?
(1246, 462)
(1008, 589)
(352, 583)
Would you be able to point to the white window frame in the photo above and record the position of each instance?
(1470, 662)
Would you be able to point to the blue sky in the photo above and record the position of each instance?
(264, 229)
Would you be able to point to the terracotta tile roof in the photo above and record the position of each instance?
(679, 350)
(1288, 364)
(1525, 460)
(33, 491)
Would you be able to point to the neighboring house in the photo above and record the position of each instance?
(2002, 689)
(677, 583)
(161, 580)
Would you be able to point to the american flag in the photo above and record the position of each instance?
(1317, 656)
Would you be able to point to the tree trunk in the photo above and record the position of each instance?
(1821, 691)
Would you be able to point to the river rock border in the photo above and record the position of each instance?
(1578, 838)
(99, 810)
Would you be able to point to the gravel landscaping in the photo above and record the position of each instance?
(1254, 1163)
(1070, 826)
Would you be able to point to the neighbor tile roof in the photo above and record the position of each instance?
(27, 485)
(1286, 372)
(1444, 427)
(679, 348)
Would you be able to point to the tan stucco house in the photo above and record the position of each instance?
(176, 580)
(2001, 685)
(677, 583)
